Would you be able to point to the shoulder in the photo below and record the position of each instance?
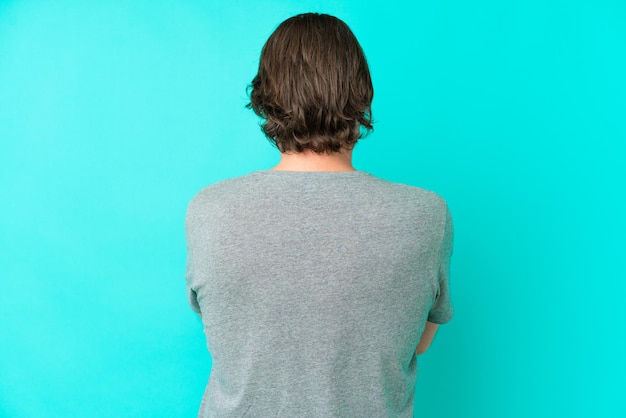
(220, 194)
(412, 195)
(415, 203)
(224, 188)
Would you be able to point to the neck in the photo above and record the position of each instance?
(311, 161)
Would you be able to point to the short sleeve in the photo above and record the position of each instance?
(442, 309)
(190, 276)
(192, 297)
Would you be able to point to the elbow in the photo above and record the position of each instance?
(421, 349)
(427, 337)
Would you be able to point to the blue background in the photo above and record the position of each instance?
(114, 113)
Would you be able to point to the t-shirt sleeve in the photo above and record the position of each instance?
(192, 297)
(442, 309)
(190, 278)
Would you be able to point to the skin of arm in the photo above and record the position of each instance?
(427, 337)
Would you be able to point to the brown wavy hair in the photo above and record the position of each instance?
(313, 87)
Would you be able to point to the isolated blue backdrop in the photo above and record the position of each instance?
(114, 113)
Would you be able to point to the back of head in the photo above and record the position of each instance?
(313, 86)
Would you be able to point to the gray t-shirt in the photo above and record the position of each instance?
(314, 289)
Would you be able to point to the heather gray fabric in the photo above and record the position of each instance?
(314, 289)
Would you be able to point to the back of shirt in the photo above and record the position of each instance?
(314, 289)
